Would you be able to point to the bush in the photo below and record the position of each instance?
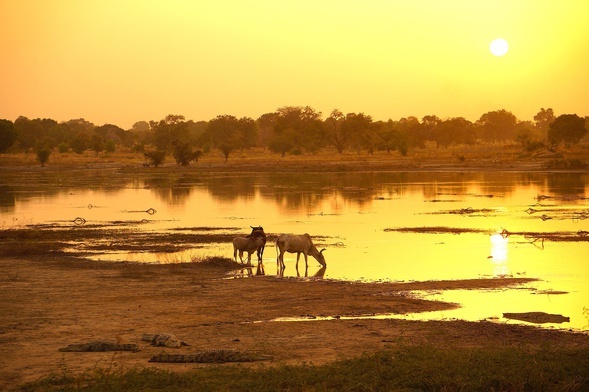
(183, 153)
(43, 155)
(155, 158)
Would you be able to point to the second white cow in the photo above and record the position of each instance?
(297, 244)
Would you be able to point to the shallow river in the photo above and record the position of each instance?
(513, 225)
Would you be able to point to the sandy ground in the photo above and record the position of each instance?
(49, 303)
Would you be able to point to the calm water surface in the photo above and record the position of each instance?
(351, 215)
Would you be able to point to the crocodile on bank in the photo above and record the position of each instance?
(100, 345)
(163, 340)
(213, 356)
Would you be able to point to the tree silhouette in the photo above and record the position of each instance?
(227, 133)
(183, 153)
(43, 155)
(543, 118)
(7, 135)
(498, 125)
(297, 126)
(568, 129)
(358, 126)
(335, 134)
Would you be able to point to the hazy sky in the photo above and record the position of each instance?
(122, 61)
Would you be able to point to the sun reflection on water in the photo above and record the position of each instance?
(499, 247)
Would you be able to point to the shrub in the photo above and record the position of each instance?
(43, 155)
(155, 158)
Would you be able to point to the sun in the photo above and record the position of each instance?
(499, 47)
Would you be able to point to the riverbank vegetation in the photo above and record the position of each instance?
(290, 131)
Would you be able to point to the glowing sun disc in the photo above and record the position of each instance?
(499, 47)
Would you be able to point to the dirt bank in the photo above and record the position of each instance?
(51, 302)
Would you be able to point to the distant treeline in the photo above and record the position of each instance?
(288, 130)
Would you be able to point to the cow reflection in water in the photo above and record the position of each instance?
(249, 271)
(297, 244)
(317, 275)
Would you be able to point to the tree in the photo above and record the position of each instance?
(140, 127)
(413, 131)
(543, 118)
(568, 129)
(454, 130)
(247, 132)
(430, 128)
(80, 143)
(79, 133)
(499, 125)
(281, 144)
(390, 138)
(300, 127)
(265, 124)
(141, 133)
(29, 132)
(335, 135)
(358, 127)
(171, 128)
(228, 133)
(116, 134)
(43, 155)
(7, 135)
(97, 143)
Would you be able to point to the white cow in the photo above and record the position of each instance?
(297, 244)
(246, 244)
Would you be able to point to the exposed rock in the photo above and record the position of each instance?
(537, 317)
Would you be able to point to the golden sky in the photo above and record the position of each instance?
(122, 61)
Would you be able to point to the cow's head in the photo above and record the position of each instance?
(321, 258)
(257, 231)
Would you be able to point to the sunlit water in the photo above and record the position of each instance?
(350, 213)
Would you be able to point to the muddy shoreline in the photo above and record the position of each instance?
(54, 301)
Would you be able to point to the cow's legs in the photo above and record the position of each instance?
(261, 252)
(280, 260)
